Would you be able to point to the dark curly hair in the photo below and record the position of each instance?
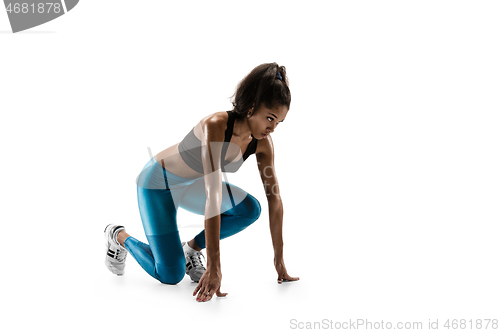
(266, 84)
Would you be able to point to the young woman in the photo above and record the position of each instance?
(189, 175)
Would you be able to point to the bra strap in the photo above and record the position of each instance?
(230, 125)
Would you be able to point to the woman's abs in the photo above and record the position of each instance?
(172, 161)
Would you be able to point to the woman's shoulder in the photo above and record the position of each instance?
(216, 121)
(265, 146)
(216, 118)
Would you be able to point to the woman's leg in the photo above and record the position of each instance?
(238, 209)
(163, 258)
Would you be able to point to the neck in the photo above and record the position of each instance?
(241, 128)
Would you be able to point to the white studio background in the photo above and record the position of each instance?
(388, 160)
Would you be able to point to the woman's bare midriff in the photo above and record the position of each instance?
(172, 161)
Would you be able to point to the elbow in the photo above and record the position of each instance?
(214, 200)
(276, 206)
(274, 200)
(213, 206)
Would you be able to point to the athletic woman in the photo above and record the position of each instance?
(190, 175)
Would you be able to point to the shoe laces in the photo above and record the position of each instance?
(196, 259)
(121, 254)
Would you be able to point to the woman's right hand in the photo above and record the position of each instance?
(209, 285)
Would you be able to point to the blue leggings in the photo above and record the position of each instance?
(160, 193)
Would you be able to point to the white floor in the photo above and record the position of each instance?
(339, 283)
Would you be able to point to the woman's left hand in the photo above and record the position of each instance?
(282, 273)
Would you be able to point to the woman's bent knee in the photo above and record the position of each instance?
(169, 275)
(253, 208)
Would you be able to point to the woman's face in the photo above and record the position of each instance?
(264, 120)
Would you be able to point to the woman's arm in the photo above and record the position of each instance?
(265, 161)
(212, 141)
(213, 137)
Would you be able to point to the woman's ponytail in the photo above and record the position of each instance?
(266, 84)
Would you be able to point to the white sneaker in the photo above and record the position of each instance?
(194, 262)
(115, 253)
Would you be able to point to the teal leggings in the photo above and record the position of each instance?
(160, 193)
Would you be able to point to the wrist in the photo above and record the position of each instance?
(213, 263)
(278, 252)
(213, 267)
(278, 259)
